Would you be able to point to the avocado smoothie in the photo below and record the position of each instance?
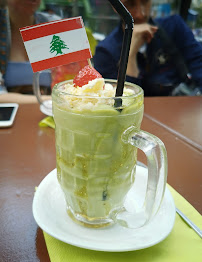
(95, 168)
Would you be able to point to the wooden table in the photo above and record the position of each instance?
(27, 155)
(177, 121)
(181, 116)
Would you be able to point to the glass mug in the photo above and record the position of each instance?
(96, 155)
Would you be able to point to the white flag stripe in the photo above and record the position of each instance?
(39, 49)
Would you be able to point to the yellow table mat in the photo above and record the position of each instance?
(183, 244)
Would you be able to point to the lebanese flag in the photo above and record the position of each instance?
(56, 43)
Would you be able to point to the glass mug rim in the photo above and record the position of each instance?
(139, 91)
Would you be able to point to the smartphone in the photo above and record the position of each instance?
(7, 114)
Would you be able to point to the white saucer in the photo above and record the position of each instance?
(46, 108)
(50, 214)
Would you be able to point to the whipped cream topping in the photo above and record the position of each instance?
(96, 87)
(92, 95)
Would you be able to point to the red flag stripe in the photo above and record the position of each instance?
(45, 29)
(61, 60)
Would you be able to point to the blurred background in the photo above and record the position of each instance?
(100, 18)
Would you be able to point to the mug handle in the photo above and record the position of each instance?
(36, 87)
(47, 104)
(156, 154)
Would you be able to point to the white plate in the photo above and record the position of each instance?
(46, 108)
(50, 214)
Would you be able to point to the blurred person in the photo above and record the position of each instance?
(15, 69)
(164, 59)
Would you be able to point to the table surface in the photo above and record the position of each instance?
(182, 116)
(28, 155)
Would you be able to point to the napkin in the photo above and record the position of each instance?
(183, 244)
(47, 121)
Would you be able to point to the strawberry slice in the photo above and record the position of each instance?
(85, 75)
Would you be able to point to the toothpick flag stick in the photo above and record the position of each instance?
(89, 62)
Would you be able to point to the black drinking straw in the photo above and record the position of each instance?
(129, 22)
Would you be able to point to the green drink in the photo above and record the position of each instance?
(95, 167)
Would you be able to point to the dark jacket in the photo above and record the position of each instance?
(158, 72)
